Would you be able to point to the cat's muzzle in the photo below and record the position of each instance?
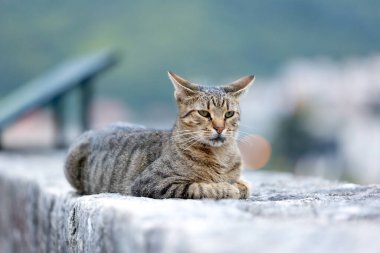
(218, 140)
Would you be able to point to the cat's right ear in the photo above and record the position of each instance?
(183, 88)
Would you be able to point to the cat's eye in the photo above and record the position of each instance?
(204, 113)
(229, 114)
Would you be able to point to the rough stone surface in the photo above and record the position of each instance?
(41, 213)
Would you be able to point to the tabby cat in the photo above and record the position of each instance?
(198, 158)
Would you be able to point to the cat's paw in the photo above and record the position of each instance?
(213, 191)
(229, 191)
(244, 189)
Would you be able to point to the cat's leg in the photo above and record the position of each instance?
(171, 188)
(213, 190)
(160, 184)
(244, 188)
(188, 190)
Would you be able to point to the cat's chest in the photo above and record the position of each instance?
(213, 166)
(226, 158)
(223, 166)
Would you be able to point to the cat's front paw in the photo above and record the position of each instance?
(213, 191)
(244, 189)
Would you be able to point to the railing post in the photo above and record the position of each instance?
(1, 139)
(51, 89)
(58, 105)
(86, 94)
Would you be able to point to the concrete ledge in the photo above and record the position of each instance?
(39, 212)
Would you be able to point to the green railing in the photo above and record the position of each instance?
(51, 88)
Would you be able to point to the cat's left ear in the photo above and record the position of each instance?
(239, 86)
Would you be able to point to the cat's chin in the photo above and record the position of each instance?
(216, 142)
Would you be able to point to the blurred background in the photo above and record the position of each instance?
(313, 110)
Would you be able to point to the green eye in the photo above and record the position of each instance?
(204, 113)
(229, 114)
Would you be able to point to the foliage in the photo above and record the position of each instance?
(202, 40)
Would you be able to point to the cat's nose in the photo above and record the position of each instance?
(219, 130)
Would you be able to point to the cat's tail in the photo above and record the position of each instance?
(76, 160)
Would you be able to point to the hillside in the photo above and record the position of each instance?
(203, 40)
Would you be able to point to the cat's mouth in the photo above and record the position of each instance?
(218, 140)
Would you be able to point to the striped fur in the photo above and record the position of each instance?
(197, 158)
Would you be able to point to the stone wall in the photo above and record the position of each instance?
(39, 212)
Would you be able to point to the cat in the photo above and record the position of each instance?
(197, 158)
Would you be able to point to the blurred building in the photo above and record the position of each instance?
(331, 110)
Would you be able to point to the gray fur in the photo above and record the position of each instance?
(188, 161)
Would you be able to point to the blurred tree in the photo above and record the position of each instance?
(204, 40)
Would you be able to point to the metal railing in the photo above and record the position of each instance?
(51, 88)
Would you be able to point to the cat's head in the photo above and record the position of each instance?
(209, 115)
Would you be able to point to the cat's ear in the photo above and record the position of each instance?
(182, 86)
(239, 86)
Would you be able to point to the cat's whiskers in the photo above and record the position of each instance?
(249, 143)
(195, 140)
(184, 131)
(185, 140)
(188, 140)
(239, 136)
(242, 134)
(188, 133)
(181, 135)
(188, 145)
(246, 141)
